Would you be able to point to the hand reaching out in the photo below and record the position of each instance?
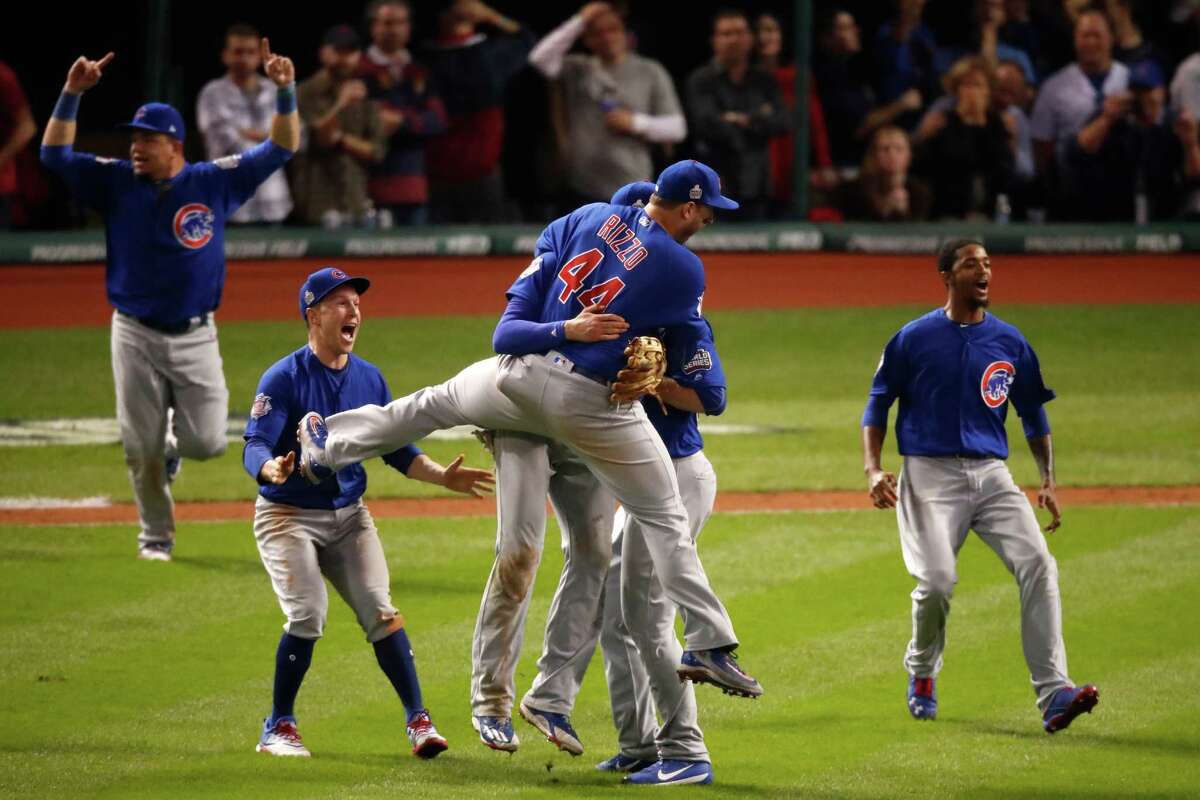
(85, 73)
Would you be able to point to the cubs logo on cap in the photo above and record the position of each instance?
(193, 225)
(691, 181)
(324, 281)
(995, 383)
(157, 118)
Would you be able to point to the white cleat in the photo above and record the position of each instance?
(151, 553)
(282, 740)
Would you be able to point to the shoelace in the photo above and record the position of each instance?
(923, 687)
(286, 730)
(421, 723)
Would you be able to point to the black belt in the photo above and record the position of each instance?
(170, 328)
(591, 376)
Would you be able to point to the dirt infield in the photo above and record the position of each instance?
(727, 502)
(69, 296)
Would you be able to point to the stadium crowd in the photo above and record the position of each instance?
(1038, 110)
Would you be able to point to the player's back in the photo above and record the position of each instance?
(620, 258)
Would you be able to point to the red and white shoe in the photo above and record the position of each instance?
(283, 739)
(426, 741)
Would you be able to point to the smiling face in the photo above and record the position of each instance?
(154, 154)
(333, 323)
(970, 279)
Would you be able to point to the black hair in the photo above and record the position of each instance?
(948, 253)
(241, 30)
(728, 12)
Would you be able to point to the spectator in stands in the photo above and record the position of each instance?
(969, 160)
(1127, 164)
(736, 109)
(905, 60)
(768, 36)
(234, 113)
(1071, 97)
(613, 104)
(16, 129)
(1129, 45)
(471, 70)
(1019, 30)
(990, 17)
(409, 107)
(343, 136)
(847, 97)
(885, 190)
(1185, 103)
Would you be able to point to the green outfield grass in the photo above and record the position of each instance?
(136, 680)
(1127, 377)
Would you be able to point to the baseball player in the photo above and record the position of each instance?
(165, 232)
(954, 371)
(633, 263)
(306, 532)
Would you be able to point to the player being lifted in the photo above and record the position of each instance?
(165, 231)
(306, 532)
(954, 371)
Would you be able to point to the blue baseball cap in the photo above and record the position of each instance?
(692, 181)
(633, 194)
(1146, 74)
(324, 281)
(159, 118)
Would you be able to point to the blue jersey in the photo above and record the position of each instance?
(294, 385)
(166, 241)
(616, 256)
(693, 362)
(954, 383)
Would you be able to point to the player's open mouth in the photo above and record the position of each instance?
(981, 286)
(348, 332)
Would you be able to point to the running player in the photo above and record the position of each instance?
(306, 533)
(954, 371)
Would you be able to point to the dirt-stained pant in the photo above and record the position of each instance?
(300, 547)
(543, 395)
(527, 467)
(155, 373)
(940, 500)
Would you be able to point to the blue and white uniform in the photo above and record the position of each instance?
(955, 383)
(305, 531)
(165, 273)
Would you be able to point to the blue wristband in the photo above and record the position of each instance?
(67, 107)
(285, 99)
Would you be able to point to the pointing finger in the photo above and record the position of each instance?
(102, 63)
(266, 49)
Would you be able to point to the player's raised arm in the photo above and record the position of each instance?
(285, 125)
(83, 75)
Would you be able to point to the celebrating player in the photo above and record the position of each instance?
(165, 222)
(632, 262)
(954, 371)
(304, 532)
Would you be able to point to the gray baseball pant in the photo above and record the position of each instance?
(940, 500)
(300, 547)
(153, 373)
(544, 396)
(527, 467)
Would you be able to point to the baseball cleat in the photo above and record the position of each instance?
(496, 732)
(1068, 703)
(556, 727)
(623, 763)
(426, 741)
(282, 739)
(312, 433)
(719, 668)
(922, 697)
(671, 772)
(152, 553)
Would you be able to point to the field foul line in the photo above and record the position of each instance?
(105, 431)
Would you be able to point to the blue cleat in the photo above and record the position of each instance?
(312, 434)
(719, 668)
(671, 772)
(922, 697)
(556, 727)
(623, 763)
(496, 732)
(1067, 704)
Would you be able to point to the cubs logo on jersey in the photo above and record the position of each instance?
(193, 225)
(995, 383)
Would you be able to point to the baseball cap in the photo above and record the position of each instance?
(1146, 75)
(691, 180)
(324, 281)
(341, 37)
(633, 194)
(159, 118)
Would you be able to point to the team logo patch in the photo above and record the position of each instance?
(228, 162)
(696, 192)
(533, 267)
(193, 225)
(261, 407)
(994, 384)
(338, 275)
(701, 360)
(309, 297)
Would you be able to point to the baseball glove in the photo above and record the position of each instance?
(645, 363)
